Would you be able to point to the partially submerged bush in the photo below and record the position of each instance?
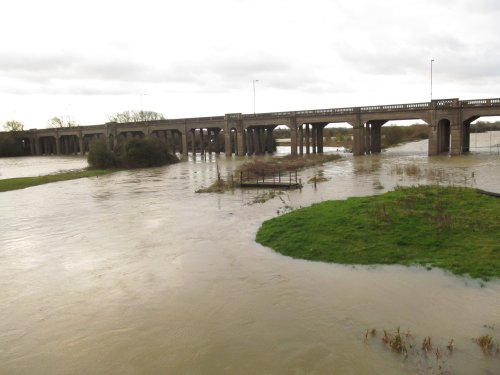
(146, 152)
(134, 153)
(10, 145)
(100, 156)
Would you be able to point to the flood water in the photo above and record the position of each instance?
(135, 273)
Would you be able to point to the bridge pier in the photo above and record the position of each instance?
(308, 140)
(184, 145)
(314, 139)
(293, 135)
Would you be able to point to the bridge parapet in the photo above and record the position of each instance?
(327, 111)
(205, 119)
(481, 103)
(396, 107)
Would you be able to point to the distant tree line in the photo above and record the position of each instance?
(482, 126)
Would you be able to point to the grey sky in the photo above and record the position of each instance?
(88, 59)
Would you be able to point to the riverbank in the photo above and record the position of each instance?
(452, 228)
(25, 182)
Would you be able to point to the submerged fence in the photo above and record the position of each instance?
(282, 179)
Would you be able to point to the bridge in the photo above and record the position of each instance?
(246, 134)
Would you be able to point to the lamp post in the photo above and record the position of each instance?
(255, 80)
(432, 60)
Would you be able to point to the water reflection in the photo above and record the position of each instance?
(135, 273)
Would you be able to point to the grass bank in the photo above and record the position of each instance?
(25, 182)
(453, 228)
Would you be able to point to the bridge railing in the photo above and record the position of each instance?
(480, 103)
(396, 107)
(205, 119)
(328, 111)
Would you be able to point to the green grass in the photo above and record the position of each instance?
(456, 229)
(25, 182)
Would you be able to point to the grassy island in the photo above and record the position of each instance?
(453, 228)
(25, 182)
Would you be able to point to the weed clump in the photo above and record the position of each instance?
(397, 341)
(487, 345)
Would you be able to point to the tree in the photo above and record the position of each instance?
(135, 116)
(59, 122)
(13, 126)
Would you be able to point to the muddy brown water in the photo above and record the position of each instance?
(135, 273)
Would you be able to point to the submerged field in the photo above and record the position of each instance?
(453, 228)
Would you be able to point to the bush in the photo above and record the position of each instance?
(10, 145)
(100, 156)
(147, 152)
(133, 153)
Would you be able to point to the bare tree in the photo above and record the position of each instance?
(13, 126)
(59, 122)
(135, 116)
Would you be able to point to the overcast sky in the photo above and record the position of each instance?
(187, 58)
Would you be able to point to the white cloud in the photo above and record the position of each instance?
(195, 57)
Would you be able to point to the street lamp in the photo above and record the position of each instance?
(432, 60)
(255, 80)
(142, 96)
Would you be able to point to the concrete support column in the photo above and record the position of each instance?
(456, 138)
(308, 140)
(368, 138)
(376, 138)
(33, 146)
(240, 142)
(82, 145)
(301, 140)
(320, 138)
(216, 141)
(169, 139)
(357, 133)
(227, 142)
(193, 142)
(433, 138)
(466, 137)
(37, 146)
(255, 139)
(58, 145)
(270, 140)
(210, 141)
(249, 139)
(202, 142)
(184, 145)
(293, 136)
(314, 137)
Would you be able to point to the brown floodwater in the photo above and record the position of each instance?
(136, 273)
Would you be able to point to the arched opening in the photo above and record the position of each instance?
(443, 136)
(481, 134)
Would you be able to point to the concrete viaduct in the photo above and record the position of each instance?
(246, 134)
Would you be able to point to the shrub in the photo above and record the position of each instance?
(133, 153)
(147, 152)
(100, 156)
(10, 145)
